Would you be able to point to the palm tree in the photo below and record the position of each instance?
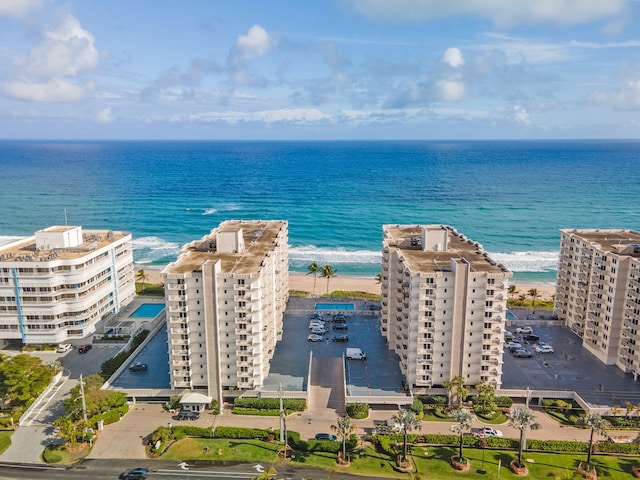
(141, 276)
(328, 272)
(522, 418)
(513, 289)
(379, 278)
(534, 294)
(313, 269)
(463, 419)
(344, 427)
(455, 389)
(407, 421)
(597, 424)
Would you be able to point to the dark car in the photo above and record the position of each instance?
(522, 353)
(140, 472)
(138, 367)
(84, 348)
(326, 436)
(340, 338)
(531, 338)
(340, 326)
(188, 415)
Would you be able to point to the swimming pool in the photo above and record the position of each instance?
(147, 310)
(510, 316)
(335, 306)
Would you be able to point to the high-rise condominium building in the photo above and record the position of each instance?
(56, 285)
(598, 293)
(226, 295)
(443, 305)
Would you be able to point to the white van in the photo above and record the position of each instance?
(64, 347)
(356, 354)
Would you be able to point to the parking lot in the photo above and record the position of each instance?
(378, 375)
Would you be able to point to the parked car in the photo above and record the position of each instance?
(531, 338)
(339, 317)
(317, 316)
(315, 338)
(340, 326)
(508, 335)
(138, 367)
(513, 345)
(522, 353)
(64, 347)
(488, 432)
(140, 472)
(326, 436)
(188, 415)
(316, 323)
(524, 330)
(85, 348)
(340, 338)
(544, 348)
(319, 330)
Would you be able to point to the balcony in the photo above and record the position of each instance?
(177, 308)
(179, 341)
(181, 363)
(430, 330)
(177, 298)
(181, 352)
(179, 331)
(424, 350)
(181, 384)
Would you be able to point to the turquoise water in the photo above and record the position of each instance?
(510, 316)
(335, 306)
(511, 196)
(147, 310)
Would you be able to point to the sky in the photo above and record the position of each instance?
(319, 69)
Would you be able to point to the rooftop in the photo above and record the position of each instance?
(609, 240)
(407, 238)
(25, 250)
(259, 239)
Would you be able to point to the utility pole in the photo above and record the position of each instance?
(283, 423)
(84, 407)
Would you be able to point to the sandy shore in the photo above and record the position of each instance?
(302, 282)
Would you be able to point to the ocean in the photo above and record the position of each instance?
(511, 196)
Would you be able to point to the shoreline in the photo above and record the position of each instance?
(302, 282)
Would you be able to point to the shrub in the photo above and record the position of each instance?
(52, 454)
(109, 367)
(504, 402)
(433, 399)
(418, 408)
(289, 404)
(242, 433)
(110, 416)
(358, 410)
(5, 442)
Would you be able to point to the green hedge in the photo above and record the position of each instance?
(504, 402)
(624, 422)
(112, 416)
(242, 433)
(433, 399)
(110, 366)
(357, 410)
(5, 442)
(289, 404)
(52, 453)
(617, 448)
(253, 411)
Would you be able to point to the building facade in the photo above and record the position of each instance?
(226, 295)
(57, 285)
(443, 306)
(597, 293)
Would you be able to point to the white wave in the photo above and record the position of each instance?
(303, 255)
(6, 239)
(528, 261)
(210, 211)
(150, 249)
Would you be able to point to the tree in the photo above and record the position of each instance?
(22, 378)
(379, 278)
(456, 390)
(407, 421)
(463, 421)
(534, 294)
(313, 269)
(344, 427)
(486, 397)
(597, 424)
(630, 408)
(523, 419)
(513, 289)
(522, 297)
(328, 272)
(616, 410)
(141, 276)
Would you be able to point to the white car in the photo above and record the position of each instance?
(513, 345)
(543, 348)
(315, 338)
(64, 347)
(488, 432)
(319, 330)
(524, 330)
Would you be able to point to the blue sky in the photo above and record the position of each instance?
(330, 69)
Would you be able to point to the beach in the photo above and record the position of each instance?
(304, 283)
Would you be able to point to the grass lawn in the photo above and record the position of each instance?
(59, 454)
(431, 462)
(5, 439)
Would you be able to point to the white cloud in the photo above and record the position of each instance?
(501, 12)
(451, 89)
(256, 43)
(45, 73)
(453, 57)
(520, 115)
(104, 116)
(18, 8)
(625, 98)
(55, 90)
(293, 116)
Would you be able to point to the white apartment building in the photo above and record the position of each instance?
(443, 306)
(56, 285)
(598, 294)
(226, 295)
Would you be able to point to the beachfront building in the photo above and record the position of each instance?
(58, 284)
(226, 295)
(598, 293)
(443, 306)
